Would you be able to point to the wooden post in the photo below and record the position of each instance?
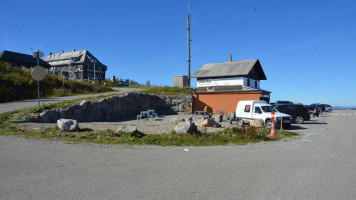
(281, 124)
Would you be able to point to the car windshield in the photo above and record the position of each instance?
(267, 108)
(275, 108)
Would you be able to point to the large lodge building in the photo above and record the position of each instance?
(76, 65)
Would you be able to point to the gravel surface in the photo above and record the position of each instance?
(161, 124)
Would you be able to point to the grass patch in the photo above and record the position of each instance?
(165, 90)
(16, 84)
(41, 108)
(235, 136)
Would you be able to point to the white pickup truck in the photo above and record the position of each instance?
(259, 110)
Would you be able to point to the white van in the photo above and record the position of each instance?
(260, 110)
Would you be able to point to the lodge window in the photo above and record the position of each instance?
(255, 84)
(248, 82)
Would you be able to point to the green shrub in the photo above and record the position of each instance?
(41, 108)
(167, 90)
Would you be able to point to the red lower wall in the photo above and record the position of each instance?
(222, 101)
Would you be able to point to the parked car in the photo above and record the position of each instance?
(299, 112)
(328, 108)
(315, 105)
(259, 110)
(283, 102)
(309, 107)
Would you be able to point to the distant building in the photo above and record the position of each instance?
(21, 60)
(76, 65)
(220, 86)
(180, 81)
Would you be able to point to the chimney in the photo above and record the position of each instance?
(62, 51)
(50, 53)
(73, 50)
(230, 58)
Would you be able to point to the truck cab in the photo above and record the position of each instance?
(260, 110)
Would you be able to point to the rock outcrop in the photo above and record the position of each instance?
(117, 107)
(186, 127)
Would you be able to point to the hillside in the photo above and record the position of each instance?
(16, 84)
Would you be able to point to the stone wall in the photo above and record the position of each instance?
(117, 107)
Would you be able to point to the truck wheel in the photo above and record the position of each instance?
(268, 124)
(240, 122)
(299, 119)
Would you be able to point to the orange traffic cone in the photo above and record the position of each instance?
(273, 129)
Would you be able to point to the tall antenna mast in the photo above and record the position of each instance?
(188, 34)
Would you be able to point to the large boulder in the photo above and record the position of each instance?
(256, 123)
(209, 122)
(67, 124)
(127, 128)
(186, 127)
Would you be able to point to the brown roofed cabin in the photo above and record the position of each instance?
(220, 86)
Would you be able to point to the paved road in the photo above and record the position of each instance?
(18, 105)
(322, 165)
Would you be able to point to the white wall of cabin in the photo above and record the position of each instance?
(227, 82)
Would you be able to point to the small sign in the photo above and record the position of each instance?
(38, 54)
(38, 73)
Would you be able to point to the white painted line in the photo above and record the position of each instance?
(336, 114)
(308, 141)
(186, 149)
(315, 133)
(349, 114)
(343, 114)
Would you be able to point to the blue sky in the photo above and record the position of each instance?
(306, 48)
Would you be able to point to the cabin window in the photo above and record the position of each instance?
(255, 84)
(248, 82)
(247, 108)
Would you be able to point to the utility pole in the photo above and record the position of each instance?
(188, 35)
(38, 82)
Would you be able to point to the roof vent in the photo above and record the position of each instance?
(230, 58)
